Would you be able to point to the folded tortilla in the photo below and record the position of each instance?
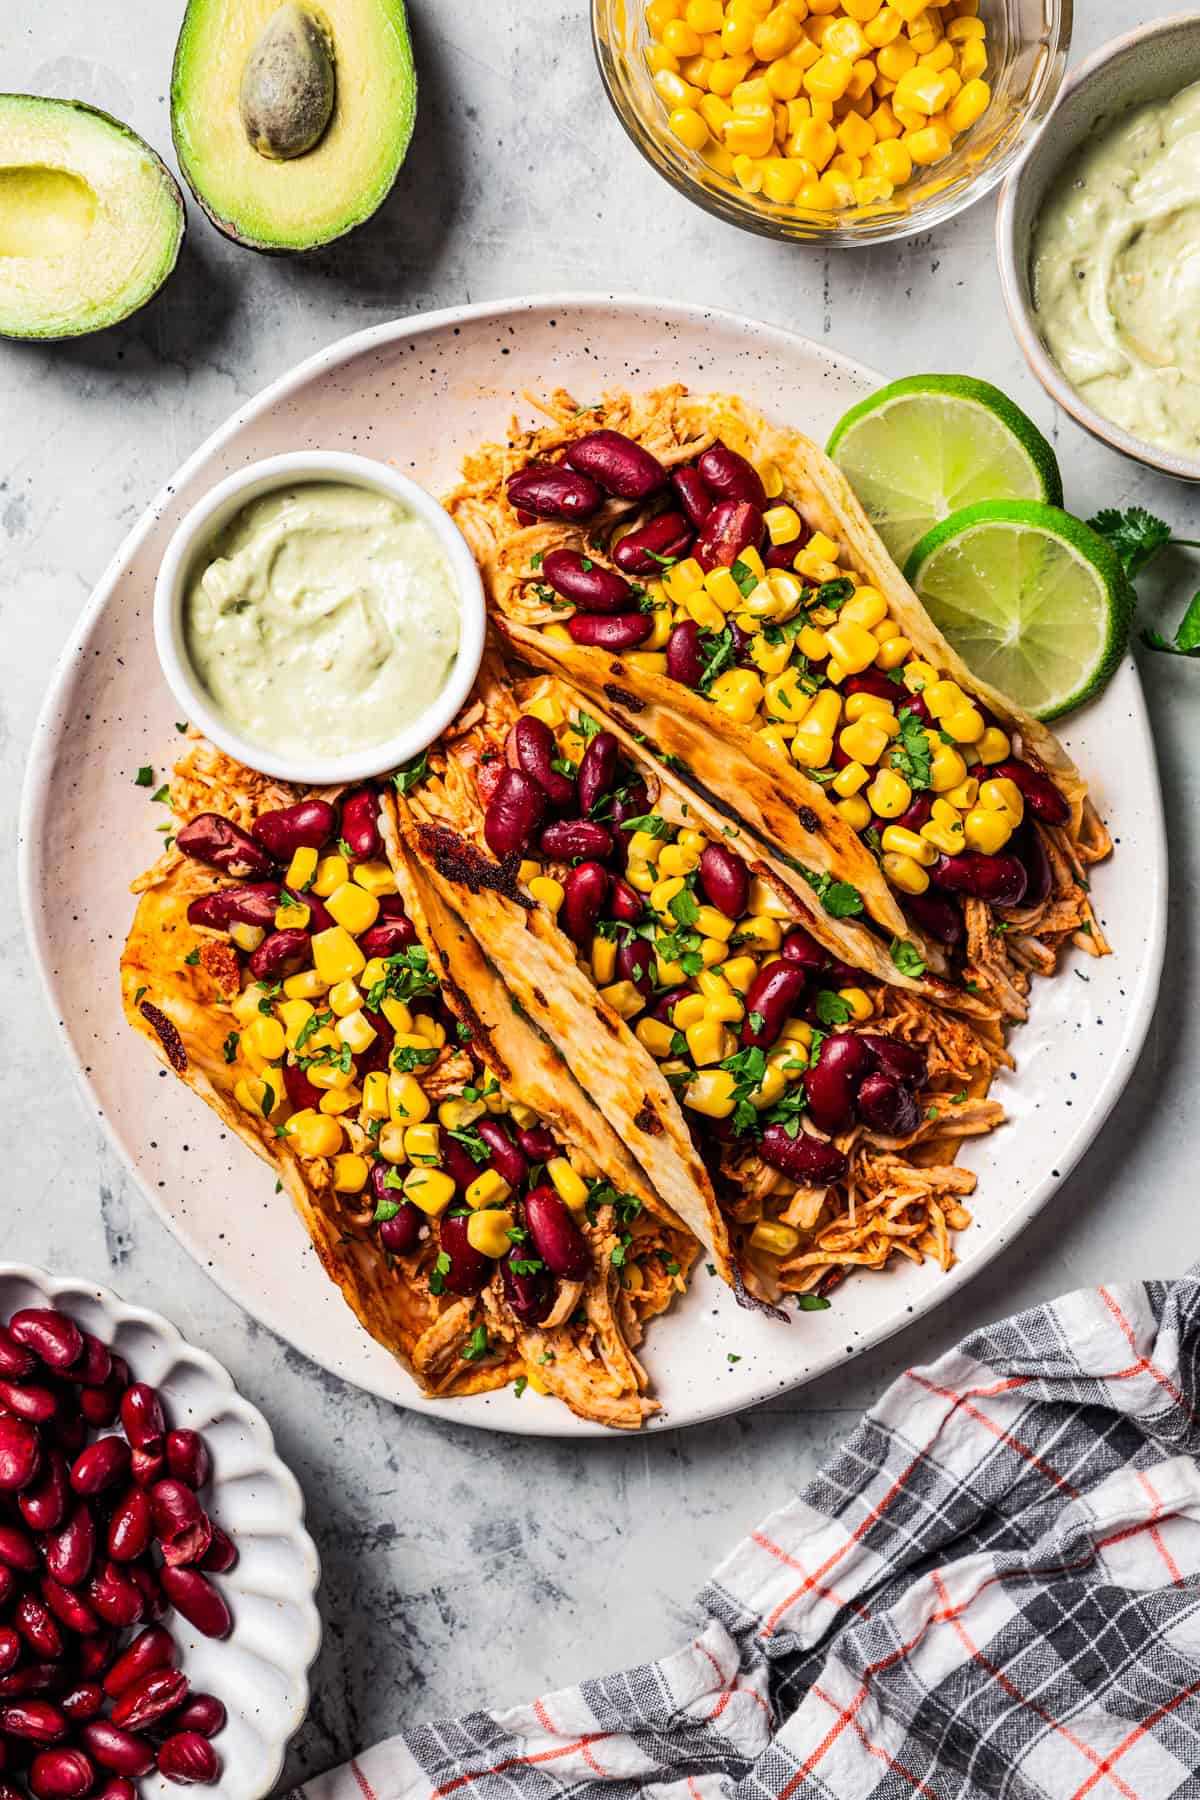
(178, 982)
(778, 801)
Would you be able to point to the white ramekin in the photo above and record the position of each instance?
(208, 518)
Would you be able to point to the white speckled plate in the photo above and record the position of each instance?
(261, 1670)
(419, 392)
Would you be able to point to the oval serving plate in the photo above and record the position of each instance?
(420, 392)
(261, 1670)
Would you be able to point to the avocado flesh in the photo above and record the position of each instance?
(305, 200)
(90, 219)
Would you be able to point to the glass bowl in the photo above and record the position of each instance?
(1028, 42)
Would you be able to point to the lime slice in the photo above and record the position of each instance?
(1033, 600)
(927, 446)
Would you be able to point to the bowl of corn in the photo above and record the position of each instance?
(841, 122)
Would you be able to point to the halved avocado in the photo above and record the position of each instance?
(250, 93)
(91, 220)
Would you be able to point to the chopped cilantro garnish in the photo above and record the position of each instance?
(144, 776)
(745, 578)
(731, 1358)
(907, 957)
(653, 824)
(230, 1047)
(587, 727)
(1135, 534)
(315, 1022)
(834, 594)
(719, 652)
(684, 908)
(1186, 641)
(840, 900)
(811, 1303)
(476, 1345)
(192, 958)
(162, 794)
(408, 1058)
(832, 1009)
(412, 774)
(408, 978)
(385, 1210)
(441, 1268)
(520, 1384)
(911, 755)
(472, 1143)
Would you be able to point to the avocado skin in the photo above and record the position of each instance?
(358, 212)
(172, 189)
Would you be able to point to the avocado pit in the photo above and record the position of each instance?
(288, 84)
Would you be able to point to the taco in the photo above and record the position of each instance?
(478, 1213)
(713, 580)
(815, 1109)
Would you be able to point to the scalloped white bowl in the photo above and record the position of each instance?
(261, 1670)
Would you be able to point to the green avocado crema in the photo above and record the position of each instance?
(1117, 271)
(322, 619)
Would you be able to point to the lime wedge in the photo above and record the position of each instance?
(1033, 600)
(927, 446)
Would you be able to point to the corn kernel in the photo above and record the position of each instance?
(344, 998)
(332, 873)
(892, 652)
(431, 1190)
(896, 60)
(966, 726)
(398, 1016)
(965, 795)
(972, 60)
(487, 1232)
(295, 1015)
(655, 1037)
(828, 78)
(928, 145)
(624, 999)
(568, 1184)
(905, 874)
(859, 1002)
(407, 1100)
(946, 768)
(712, 923)
(764, 898)
(847, 781)
(814, 141)
(343, 1100)
(969, 104)
(1000, 795)
(922, 90)
(336, 955)
(357, 1031)
(783, 523)
(993, 746)
(739, 972)
(708, 1042)
(711, 1092)
(852, 645)
(987, 831)
(889, 794)
(947, 837)
(688, 127)
(353, 907)
(884, 28)
(247, 937)
(811, 751)
(737, 694)
(547, 892)
(863, 706)
(773, 1239)
(376, 877)
(901, 842)
(758, 932)
(314, 1134)
(301, 869)
(456, 1114)
(855, 811)
(350, 1174)
(429, 1030)
(307, 985)
(260, 1095)
(390, 1144)
(375, 1094)
(604, 960)
(266, 1037)
(864, 741)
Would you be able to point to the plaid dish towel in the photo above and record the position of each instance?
(993, 1590)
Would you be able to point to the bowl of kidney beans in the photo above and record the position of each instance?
(157, 1612)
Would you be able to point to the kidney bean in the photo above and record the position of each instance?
(725, 880)
(222, 1553)
(100, 1466)
(99, 1405)
(61, 1774)
(782, 556)
(774, 993)
(20, 1454)
(152, 1649)
(730, 477)
(95, 1366)
(35, 1681)
(565, 839)
(587, 583)
(875, 681)
(150, 1699)
(896, 1059)
(625, 903)
(82, 1702)
(597, 770)
(621, 465)
(114, 1787)
(631, 803)
(550, 491)
(802, 948)
(70, 1550)
(116, 1596)
(731, 527)
(308, 825)
(400, 1234)
(635, 959)
(1000, 880)
(1043, 799)
(556, 1237)
(253, 903)
(937, 916)
(15, 1360)
(585, 889)
(188, 1458)
(299, 1089)
(610, 631)
(8, 1585)
(387, 938)
(360, 824)
(666, 537)
(915, 705)
(514, 813)
(458, 1164)
(95, 1653)
(506, 1159)
(38, 1626)
(142, 1417)
(831, 1086)
(530, 1293)
(54, 1339)
(17, 1549)
(30, 1402)
(147, 1465)
(117, 1749)
(469, 1269)
(695, 496)
(188, 1757)
(10, 1649)
(537, 1142)
(1027, 844)
(144, 1577)
(685, 660)
(69, 1608)
(9, 1789)
(663, 1004)
(38, 1721)
(131, 1526)
(532, 748)
(280, 954)
(915, 814)
(203, 1713)
(805, 1159)
(180, 1522)
(887, 1106)
(223, 845)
